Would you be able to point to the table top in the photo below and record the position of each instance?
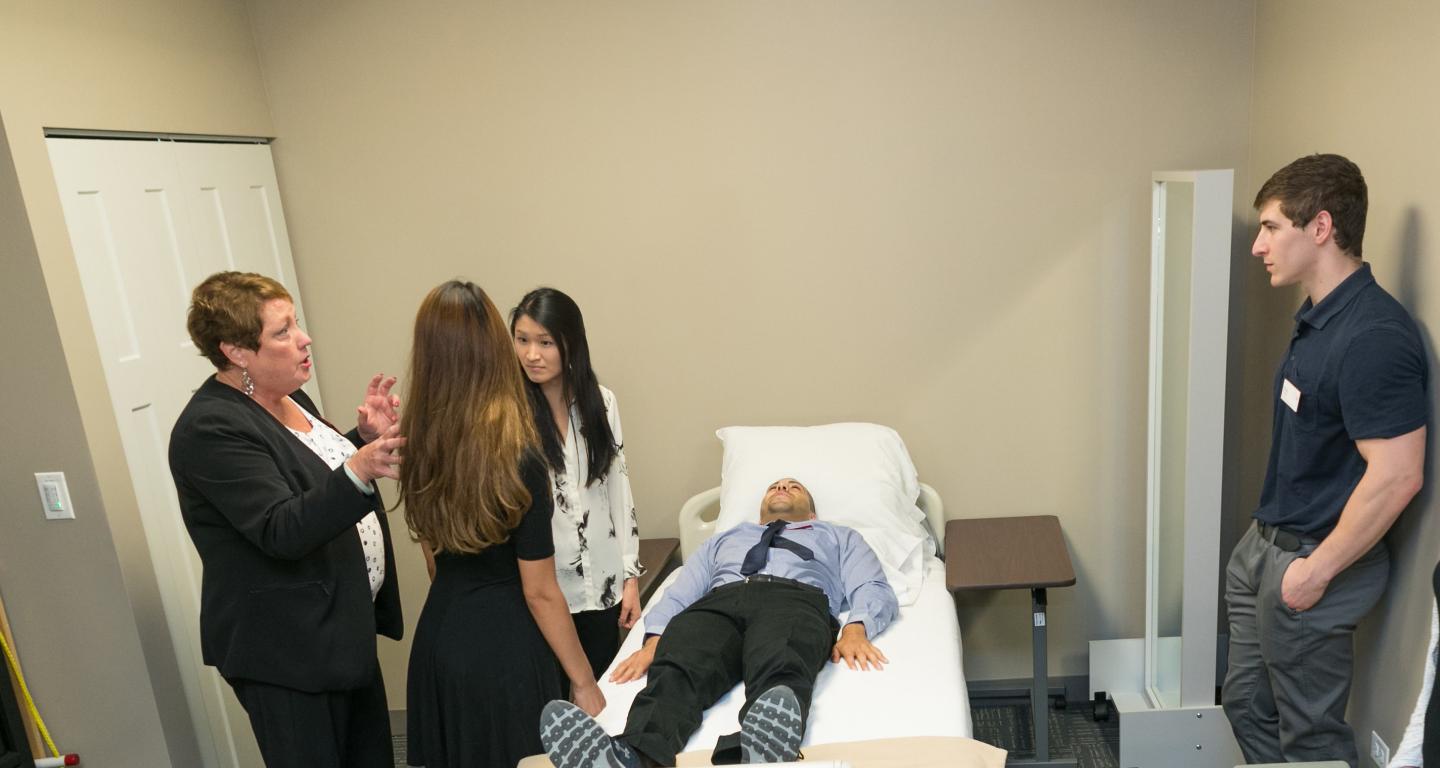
(656, 555)
(1006, 553)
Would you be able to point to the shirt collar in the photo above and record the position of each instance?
(790, 526)
(1317, 315)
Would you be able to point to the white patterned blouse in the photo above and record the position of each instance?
(597, 536)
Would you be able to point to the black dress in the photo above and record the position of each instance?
(480, 671)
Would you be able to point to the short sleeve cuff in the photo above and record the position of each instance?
(1388, 431)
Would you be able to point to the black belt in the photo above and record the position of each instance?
(1288, 541)
(765, 578)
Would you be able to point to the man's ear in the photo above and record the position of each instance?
(1324, 227)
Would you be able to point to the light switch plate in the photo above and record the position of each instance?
(54, 495)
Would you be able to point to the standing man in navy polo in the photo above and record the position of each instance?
(1346, 456)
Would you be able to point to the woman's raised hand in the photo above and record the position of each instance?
(379, 409)
(379, 457)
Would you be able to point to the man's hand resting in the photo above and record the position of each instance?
(634, 667)
(855, 648)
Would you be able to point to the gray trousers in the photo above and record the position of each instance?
(1288, 679)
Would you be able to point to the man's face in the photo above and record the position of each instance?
(786, 499)
(1289, 251)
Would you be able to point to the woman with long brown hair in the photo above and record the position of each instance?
(476, 495)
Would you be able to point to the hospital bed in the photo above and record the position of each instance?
(859, 475)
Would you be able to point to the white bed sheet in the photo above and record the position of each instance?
(921, 692)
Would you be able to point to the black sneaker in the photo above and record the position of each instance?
(574, 740)
(772, 729)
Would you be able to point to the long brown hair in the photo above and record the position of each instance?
(468, 424)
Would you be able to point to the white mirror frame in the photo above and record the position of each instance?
(1205, 433)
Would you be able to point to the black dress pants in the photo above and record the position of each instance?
(333, 729)
(599, 633)
(763, 633)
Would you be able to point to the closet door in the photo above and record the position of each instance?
(148, 221)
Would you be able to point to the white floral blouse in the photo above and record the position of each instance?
(334, 448)
(597, 536)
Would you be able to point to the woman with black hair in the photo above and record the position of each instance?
(597, 538)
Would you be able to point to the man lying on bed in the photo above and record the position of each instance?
(756, 603)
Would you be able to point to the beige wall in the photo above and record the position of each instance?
(82, 596)
(799, 213)
(1349, 78)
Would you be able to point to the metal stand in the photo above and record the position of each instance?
(1039, 688)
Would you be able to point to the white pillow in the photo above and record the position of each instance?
(860, 476)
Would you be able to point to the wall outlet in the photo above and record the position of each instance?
(1379, 752)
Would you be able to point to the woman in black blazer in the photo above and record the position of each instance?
(290, 530)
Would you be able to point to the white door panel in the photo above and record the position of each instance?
(231, 225)
(236, 221)
(148, 221)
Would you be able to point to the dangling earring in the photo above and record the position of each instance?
(247, 383)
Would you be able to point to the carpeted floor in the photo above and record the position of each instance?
(1073, 732)
(1006, 723)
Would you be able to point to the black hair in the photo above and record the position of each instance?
(560, 315)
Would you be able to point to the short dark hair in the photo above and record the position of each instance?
(1316, 183)
(226, 308)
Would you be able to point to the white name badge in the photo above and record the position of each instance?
(1290, 395)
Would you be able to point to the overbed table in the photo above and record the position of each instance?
(658, 557)
(1015, 553)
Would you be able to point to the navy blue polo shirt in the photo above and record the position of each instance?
(1360, 368)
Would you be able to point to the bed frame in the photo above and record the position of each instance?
(697, 518)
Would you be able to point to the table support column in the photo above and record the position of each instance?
(1040, 683)
(1040, 688)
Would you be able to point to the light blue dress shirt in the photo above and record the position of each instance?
(844, 568)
